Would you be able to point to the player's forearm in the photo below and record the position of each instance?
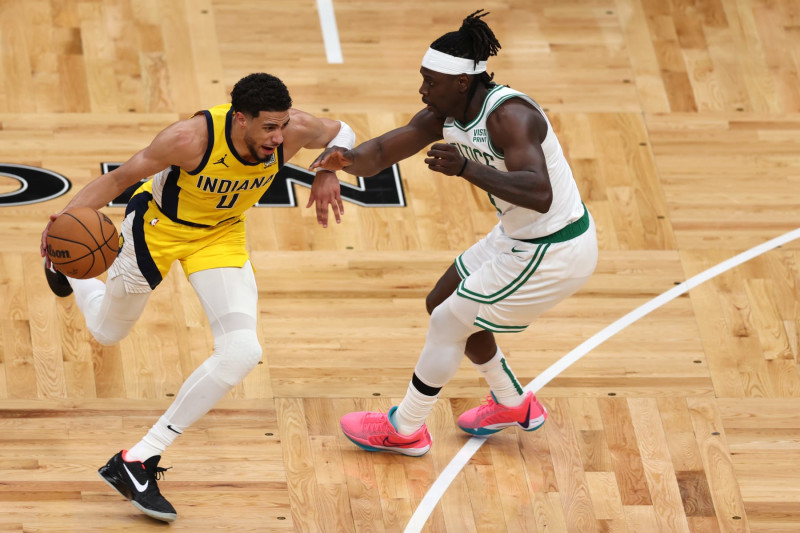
(524, 188)
(367, 159)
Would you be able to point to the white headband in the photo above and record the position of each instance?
(447, 64)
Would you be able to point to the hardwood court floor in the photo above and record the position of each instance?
(681, 120)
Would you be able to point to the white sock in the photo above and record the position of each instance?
(501, 380)
(155, 442)
(410, 415)
(197, 396)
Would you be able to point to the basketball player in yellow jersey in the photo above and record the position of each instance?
(207, 171)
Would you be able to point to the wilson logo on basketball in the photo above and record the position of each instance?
(52, 252)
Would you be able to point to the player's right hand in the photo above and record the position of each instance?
(43, 244)
(332, 159)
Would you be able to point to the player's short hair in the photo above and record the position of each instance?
(260, 92)
(473, 40)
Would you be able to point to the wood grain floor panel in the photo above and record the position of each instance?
(681, 121)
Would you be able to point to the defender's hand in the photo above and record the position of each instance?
(332, 159)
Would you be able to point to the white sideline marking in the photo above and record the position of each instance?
(463, 456)
(330, 33)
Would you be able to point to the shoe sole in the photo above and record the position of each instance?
(164, 517)
(125, 492)
(415, 452)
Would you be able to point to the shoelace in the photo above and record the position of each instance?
(159, 473)
(376, 421)
(490, 403)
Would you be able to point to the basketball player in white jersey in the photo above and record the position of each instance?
(207, 172)
(543, 249)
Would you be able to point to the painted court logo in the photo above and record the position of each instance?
(384, 189)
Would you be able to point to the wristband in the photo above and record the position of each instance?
(346, 138)
(463, 167)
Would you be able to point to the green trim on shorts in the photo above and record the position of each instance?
(461, 268)
(497, 328)
(509, 289)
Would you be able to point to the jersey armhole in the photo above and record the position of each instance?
(528, 100)
(209, 146)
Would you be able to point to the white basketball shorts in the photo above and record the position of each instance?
(516, 281)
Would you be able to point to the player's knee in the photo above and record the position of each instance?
(446, 326)
(238, 352)
(441, 320)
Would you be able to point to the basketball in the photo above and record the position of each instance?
(82, 243)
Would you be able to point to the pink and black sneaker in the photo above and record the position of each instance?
(374, 432)
(491, 417)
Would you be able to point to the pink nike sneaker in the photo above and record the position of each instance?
(375, 433)
(491, 417)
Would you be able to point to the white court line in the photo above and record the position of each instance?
(330, 33)
(458, 462)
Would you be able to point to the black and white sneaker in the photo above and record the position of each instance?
(57, 281)
(137, 482)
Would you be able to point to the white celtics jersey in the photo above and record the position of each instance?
(518, 222)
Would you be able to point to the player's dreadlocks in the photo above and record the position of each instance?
(473, 40)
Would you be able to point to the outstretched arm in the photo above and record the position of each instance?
(374, 155)
(182, 143)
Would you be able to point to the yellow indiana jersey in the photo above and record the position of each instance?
(223, 187)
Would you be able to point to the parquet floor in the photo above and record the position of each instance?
(681, 119)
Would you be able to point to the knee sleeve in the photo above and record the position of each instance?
(446, 325)
(235, 355)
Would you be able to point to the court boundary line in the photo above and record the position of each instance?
(330, 32)
(440, 485)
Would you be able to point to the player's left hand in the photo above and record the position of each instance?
(445, 158)
(326, 191)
